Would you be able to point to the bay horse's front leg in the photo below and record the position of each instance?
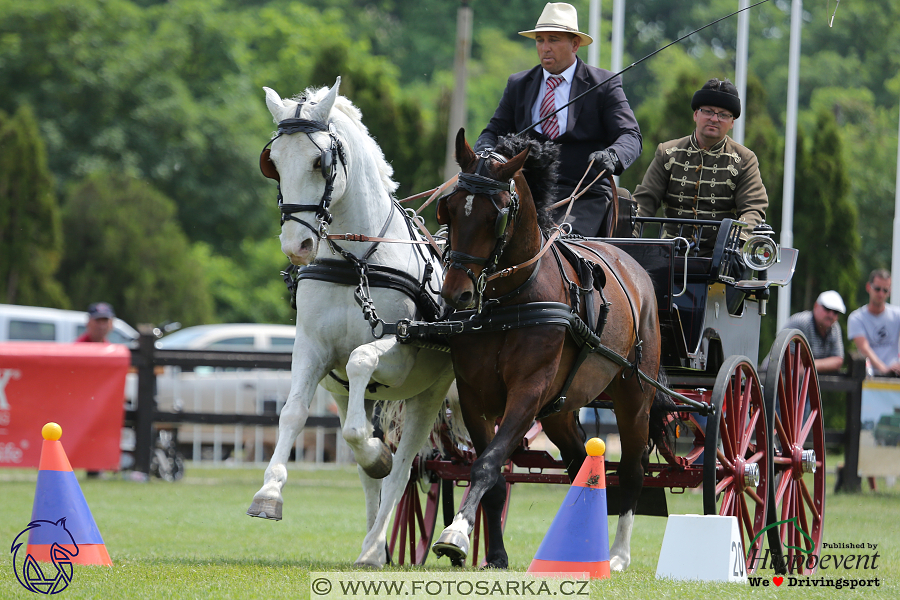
(487, 485)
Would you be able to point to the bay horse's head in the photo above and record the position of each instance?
(308, 161)
(481, 212)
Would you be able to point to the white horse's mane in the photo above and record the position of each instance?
(347, 120)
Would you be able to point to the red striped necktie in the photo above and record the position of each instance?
(548, 106)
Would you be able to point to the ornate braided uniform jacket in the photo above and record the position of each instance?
(722, 182)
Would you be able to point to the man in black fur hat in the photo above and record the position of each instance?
(706, 175)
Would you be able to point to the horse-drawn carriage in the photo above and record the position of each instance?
(766, 433)
(620, 309)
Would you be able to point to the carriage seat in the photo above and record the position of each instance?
(681, 300)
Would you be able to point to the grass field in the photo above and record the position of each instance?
(192, 539)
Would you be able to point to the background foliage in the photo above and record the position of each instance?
(159, 103)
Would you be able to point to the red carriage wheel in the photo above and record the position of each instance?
(797, 493)
(415, 517)
(736, 454)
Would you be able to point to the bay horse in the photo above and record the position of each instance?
(333, 175)
(516, 375)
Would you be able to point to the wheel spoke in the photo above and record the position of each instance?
(801, 405)
(785, 414)
(782, 434)
(725, 432)
(726, 482)
(748, 431)
(752, 493)
(756, 457)
(807, 427)
(745, 520)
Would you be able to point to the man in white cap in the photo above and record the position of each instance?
(822, 330)
(599, 126)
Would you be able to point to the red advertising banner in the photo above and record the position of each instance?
(79, 386)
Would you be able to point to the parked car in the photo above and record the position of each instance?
(39, 324)
(233, 391)
(887, 430)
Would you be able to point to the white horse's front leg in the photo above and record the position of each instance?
(267, 502)
(371, 453)
(620, 553)
(418, 419)
(371, 487)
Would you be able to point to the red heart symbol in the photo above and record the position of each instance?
(777, 580)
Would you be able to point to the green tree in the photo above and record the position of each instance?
(30, 232)
(248, 288)
(825, 220)
(127, 248)
(159, 93)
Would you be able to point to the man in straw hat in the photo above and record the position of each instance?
(706, 175)
(599, 126)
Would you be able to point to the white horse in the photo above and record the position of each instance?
(334, 176)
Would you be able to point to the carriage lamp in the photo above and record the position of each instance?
(760, 252)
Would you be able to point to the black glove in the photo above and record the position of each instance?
(605, 160)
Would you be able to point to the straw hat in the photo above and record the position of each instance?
(558, 16)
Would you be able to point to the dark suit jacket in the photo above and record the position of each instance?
(601, 119)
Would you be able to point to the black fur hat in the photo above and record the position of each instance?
(720, 93)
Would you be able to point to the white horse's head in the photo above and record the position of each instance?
(305, 159)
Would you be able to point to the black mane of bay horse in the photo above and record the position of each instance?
(514, 376)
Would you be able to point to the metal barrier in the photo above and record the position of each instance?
(147, 358)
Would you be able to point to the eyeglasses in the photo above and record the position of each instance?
(832, 311)
(723, 116)
(881, 289)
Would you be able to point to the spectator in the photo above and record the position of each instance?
(598, 127)
(875, 327)
(100, 323)
(822, 330)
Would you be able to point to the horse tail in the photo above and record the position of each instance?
(448, 424)
(389, 422)
(661, 435)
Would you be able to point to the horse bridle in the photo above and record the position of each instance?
(478, 184)
(327, 157)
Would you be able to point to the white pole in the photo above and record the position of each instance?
(594, 32)
(458, 99)
(895, 247)
(740, 68)
(790, 152)
(618, 35)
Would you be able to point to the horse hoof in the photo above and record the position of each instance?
(452, 544)
(381, 468)
(367, 565)
(266, 509)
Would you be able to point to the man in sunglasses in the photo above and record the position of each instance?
(822, 330)
(875, 327)
(706, 175)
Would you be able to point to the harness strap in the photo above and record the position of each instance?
(343, 273)
(532, 314)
